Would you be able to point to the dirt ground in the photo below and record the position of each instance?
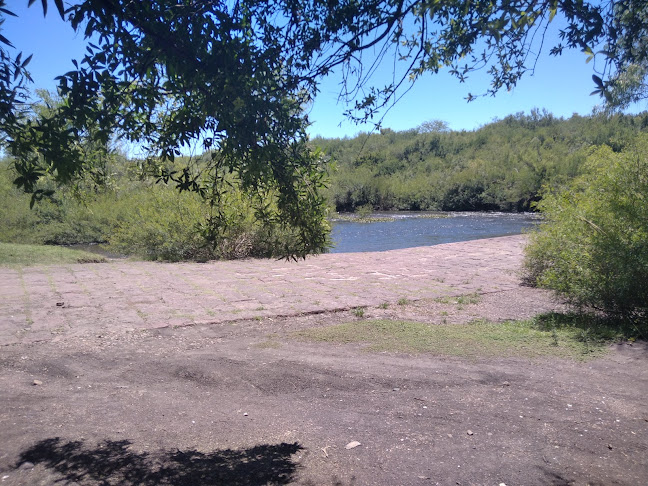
(243, 402)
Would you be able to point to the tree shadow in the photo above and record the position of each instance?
(554, 478)
(113, 462)
(593, 326)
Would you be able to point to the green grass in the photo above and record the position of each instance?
(461, 300)
(24, 255)
(592, 328)
(269, 344)
(359, 312)
(528, 339)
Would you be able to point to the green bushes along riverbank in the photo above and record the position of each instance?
(132, 214)
(505, 165)
(502, 166)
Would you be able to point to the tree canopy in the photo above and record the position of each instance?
(235, 77)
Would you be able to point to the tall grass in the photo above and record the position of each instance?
(139, 217)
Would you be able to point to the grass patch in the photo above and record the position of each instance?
(467, 299)
(460, 301)
(23, 255)
(269, 344)
(529, 339)
(359, 312)
(592, 329)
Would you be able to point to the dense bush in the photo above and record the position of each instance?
(165, 224)
(593, 247)
(501, 166)
(139, 217)
(162, 225)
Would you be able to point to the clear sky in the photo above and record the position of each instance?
(560, 84)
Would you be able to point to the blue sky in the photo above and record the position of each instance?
(560, 84)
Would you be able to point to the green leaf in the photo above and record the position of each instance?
(4, 40)
(26, 61)
(60, 8)
(8, 12)
(597, 81)
(552, 13)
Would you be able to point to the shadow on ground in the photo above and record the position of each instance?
(113, 462)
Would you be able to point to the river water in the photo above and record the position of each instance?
(410, 229)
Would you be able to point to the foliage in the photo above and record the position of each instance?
(167, 75)
(234, 77)
(593, 247)
(132, 217)
(501, 166)
(364, 212)
(627, 51)
(164, 224)
(13, 80)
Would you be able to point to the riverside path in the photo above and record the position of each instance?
(52, 302)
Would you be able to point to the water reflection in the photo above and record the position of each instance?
(410, 229)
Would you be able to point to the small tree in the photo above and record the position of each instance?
(593, 247)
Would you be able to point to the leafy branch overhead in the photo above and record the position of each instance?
(235, 78)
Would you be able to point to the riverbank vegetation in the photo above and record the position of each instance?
(502, 166)
(593, 246)
(132, 212)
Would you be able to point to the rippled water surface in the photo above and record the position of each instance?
(410, 229)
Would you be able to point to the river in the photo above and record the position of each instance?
(410, 229)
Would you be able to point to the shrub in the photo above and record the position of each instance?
(162, 224)
(593, 247)
(17, 222)
(364, 211)
(153, 221)
(65, 219)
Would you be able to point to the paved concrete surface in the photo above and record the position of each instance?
(49, 302)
